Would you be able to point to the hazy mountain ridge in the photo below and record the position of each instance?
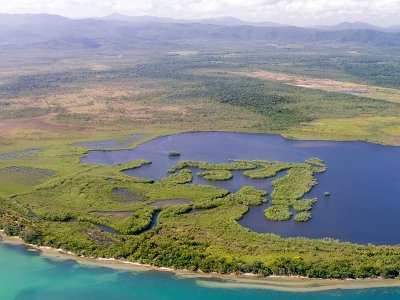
(49, 31)
(350, 26)
(223, 21)
(357, 26)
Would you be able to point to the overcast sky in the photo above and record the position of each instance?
(295, 12)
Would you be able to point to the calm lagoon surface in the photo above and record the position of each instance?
(363, 180)
(30, 275)
(104, 144)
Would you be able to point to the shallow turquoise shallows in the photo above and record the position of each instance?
(29, 275)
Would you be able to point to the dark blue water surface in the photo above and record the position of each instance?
(363, 179)
(107, 229)
(13, 155)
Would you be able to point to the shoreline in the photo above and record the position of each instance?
(242, 281)
(280, 134)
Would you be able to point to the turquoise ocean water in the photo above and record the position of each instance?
(30, 275)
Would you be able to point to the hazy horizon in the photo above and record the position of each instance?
(292, 12)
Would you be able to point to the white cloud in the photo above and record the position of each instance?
(298, 12)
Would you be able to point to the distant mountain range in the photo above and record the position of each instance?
(224, 21)
(358, 26)
(55, 32)
(232, 21)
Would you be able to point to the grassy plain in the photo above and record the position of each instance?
(364, 90)
(373, 129)
(197, 87)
